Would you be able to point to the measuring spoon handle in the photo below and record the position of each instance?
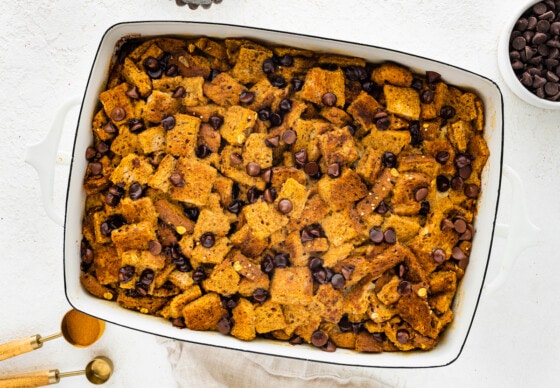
(20, 346)
(32, 379)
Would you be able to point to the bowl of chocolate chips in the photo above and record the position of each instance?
(529, 54)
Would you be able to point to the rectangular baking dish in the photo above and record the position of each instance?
(469, 292)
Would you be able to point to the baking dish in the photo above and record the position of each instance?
(469, 292)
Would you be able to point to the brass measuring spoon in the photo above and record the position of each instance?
(97, 371)
(78, 329)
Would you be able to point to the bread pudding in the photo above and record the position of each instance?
(281, 193)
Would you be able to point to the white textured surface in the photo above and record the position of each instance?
(47, 49)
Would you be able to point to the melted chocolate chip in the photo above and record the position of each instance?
(285, 206)
(208, 240)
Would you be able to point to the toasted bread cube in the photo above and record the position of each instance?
(329, 302)
(365, 342)
(315, 209)
(246, 267)
(466, 110)
(138, 210)
(443, 281)
(404, 102)
(92, 285)
(199, 179)
(244, 318)
(336, 116)
(339, 228)
(459, 134)
(137, 77)
(100, 120)
(363, 108)
(391, 73)
(388, 293)
(107, 264)
(341, 191)
(244, 69)
(179, 302)
(183, 280)
(237, 172)
(338, 146)
(181, 139)
(387, 141)
(126, 142)
(99, 218)
(223, 279)
(133, 236)
(319, 81)
(340, 60)
(404, 202)
(213, 255)
(405, 227)
(420, 163)
(173, 215)
(296, 193)
(294, 247)
(204, 313)
(417, 313)
(269, 317)
(369, 165)
(211, 221)
(132, 168)
(211, 47)
(152, 140)
(114, 100)
(160, 178)
(478, 148)
(263, 219)
(159, 105)
(247, 287)
(292, 285)
(223, 90)
(249, 244)
(238, 124)
(256, 151)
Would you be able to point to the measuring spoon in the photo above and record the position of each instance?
(78, 329)
(97, 371)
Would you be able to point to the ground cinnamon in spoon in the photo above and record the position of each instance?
(81, 329)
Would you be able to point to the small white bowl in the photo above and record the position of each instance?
(506, 70)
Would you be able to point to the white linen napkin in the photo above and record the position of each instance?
(205, 366)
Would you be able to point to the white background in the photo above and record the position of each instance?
(47, 48)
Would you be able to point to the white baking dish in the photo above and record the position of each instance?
(469, 293)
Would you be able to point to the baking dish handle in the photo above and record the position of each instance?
(44, 156)
(520, 234)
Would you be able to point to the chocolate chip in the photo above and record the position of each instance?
(266, 175)
(224, 324)
(235, 159)
(285, 105)
(246, 97)
(319, 338)
(311, 168)
(270, 195)
(109, 128)
(458, 254)
(155, 247)
(442, 157)
(329, 99)
(402, 336)
(382, 208)
(95, 168)
(376, 236)
(347, 271)
(133, 93)
(460, 225)
(198, 274)
(135, 191)
(269, 66)
(465, 172)
(136, 125)
(471, 190)
(390, 236)
(177, 180)
(202, 151)
(289, 136)
(519, 43)
(126, 273)
(272, 142)
(267, 264)
(278, 81)
(216, 121)
(447, 112)
(301, 157)
(457, 183)
(235, 206)
(334, 170)
(297, 84)
(383, 123)
(427, 96)
(281, 260)
(389, 160)
(192, 213)
(285, 206)
(438, 255)
(118, 114)
(276, 119)
(442, 183)
(91, 152)
(420, 194)
(168, 122)
(207, 240)
(253, 169)
(404, 288)
(447, 224)
(424, 208)
(180, 92)
(286, 60)
(260, 295)
(253, 194)
(338, 281)
(432, 77)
